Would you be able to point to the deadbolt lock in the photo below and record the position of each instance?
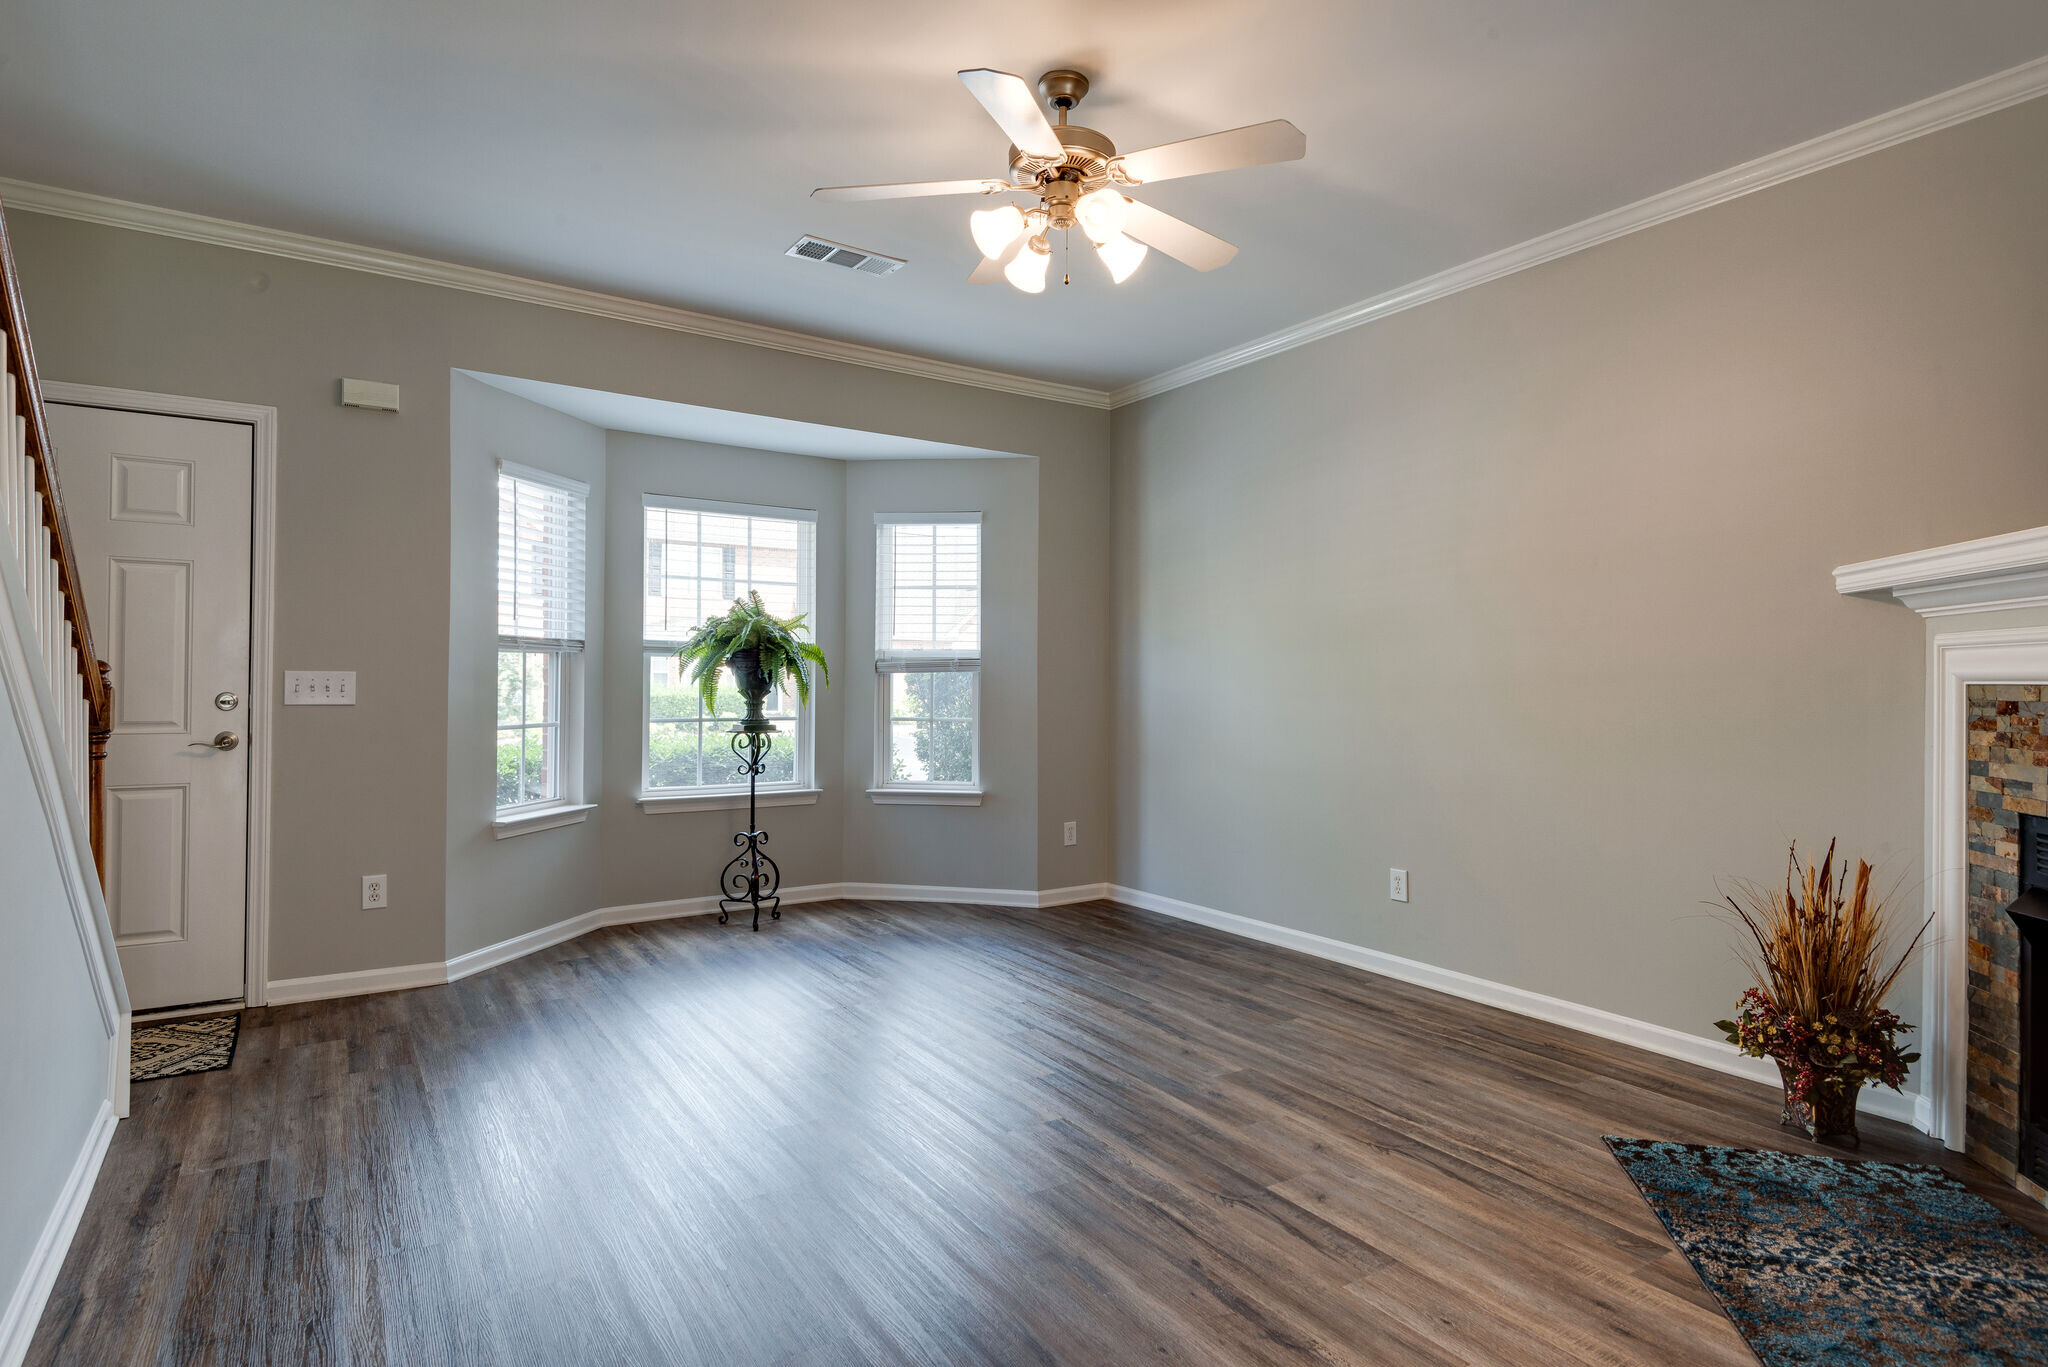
(226, 702)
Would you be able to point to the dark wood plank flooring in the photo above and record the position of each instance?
(897, 1134)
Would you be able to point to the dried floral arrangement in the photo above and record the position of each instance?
(1823, 963)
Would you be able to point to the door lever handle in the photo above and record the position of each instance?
(226, 740)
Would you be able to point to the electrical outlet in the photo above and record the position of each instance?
(1397, 885)
(376, 891)
(1072, 835)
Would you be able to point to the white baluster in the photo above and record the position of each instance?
(24, 512)
(10, 477)
(53, 616)
(33, 572)
(53, 612)
(10, 459)
(70, 693)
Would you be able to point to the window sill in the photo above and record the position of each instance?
(926, 797)
(653, 804)
(541, 819)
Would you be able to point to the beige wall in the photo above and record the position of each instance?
(1075, 719)
(364, 508)
(660, 856)
(990, 846)
(1527, 590)
(498, 889)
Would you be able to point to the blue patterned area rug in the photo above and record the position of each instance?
(1849, 1264)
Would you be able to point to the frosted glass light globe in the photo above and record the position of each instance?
(995, 229)
(1027, 268)
(1101, 213)
(1122, 255)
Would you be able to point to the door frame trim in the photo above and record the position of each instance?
(262, 420)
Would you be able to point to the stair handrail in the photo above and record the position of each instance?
(93, 672)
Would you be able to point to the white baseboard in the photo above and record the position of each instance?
(1911, 1108)
(1080, 892)
(32, 1291)
(519, 946)
(288, 990)
(921, 892)
(119, 1049)
(634, 912)
(284, 991)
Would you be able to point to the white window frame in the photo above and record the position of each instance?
(551, 726)
(801, 788)
(887, 788)
(565, 653)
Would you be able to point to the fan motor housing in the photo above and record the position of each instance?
(1088, 156)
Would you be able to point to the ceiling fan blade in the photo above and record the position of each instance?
(910, 189)
(1253, 145)
(1184, 242)
(1015, 109)
(987, 272)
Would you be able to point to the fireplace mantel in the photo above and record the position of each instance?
(1983, 576)
(2009, 571)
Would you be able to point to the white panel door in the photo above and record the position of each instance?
(159, 510)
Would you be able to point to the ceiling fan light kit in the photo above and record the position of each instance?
(1078, 178)
(1121, 255)
(1027, 268)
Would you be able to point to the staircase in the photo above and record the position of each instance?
(39, 547)
(55, 695)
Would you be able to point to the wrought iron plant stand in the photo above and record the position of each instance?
(751, 880)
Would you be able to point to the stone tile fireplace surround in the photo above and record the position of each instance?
(2008, 768)
(1986, 770)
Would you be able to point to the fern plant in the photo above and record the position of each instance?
(748, 625)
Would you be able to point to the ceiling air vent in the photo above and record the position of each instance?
(839, 254)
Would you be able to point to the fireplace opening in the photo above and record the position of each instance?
(2029, 912)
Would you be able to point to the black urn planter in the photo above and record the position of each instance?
(754, 685)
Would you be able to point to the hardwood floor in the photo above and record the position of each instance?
(898, 1134)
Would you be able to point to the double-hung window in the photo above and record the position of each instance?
(540, 626)
(928, 652)
(697, 557)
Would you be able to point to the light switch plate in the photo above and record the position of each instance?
(1397, 885)
(323, 688)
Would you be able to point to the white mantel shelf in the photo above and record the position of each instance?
(2009, 571)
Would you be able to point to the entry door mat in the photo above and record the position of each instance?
(1822, 1261)
(169, 1048)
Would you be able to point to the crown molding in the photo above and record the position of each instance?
(1988, 95)
(324, 251)
(1995, 92)
(1992, 572)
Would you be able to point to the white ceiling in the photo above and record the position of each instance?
(726, 427)
(666, 150)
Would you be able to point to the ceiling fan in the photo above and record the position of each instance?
(1078, 177)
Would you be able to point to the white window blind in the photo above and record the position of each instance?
(701, 555)
(540, 559)
(928, 592)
